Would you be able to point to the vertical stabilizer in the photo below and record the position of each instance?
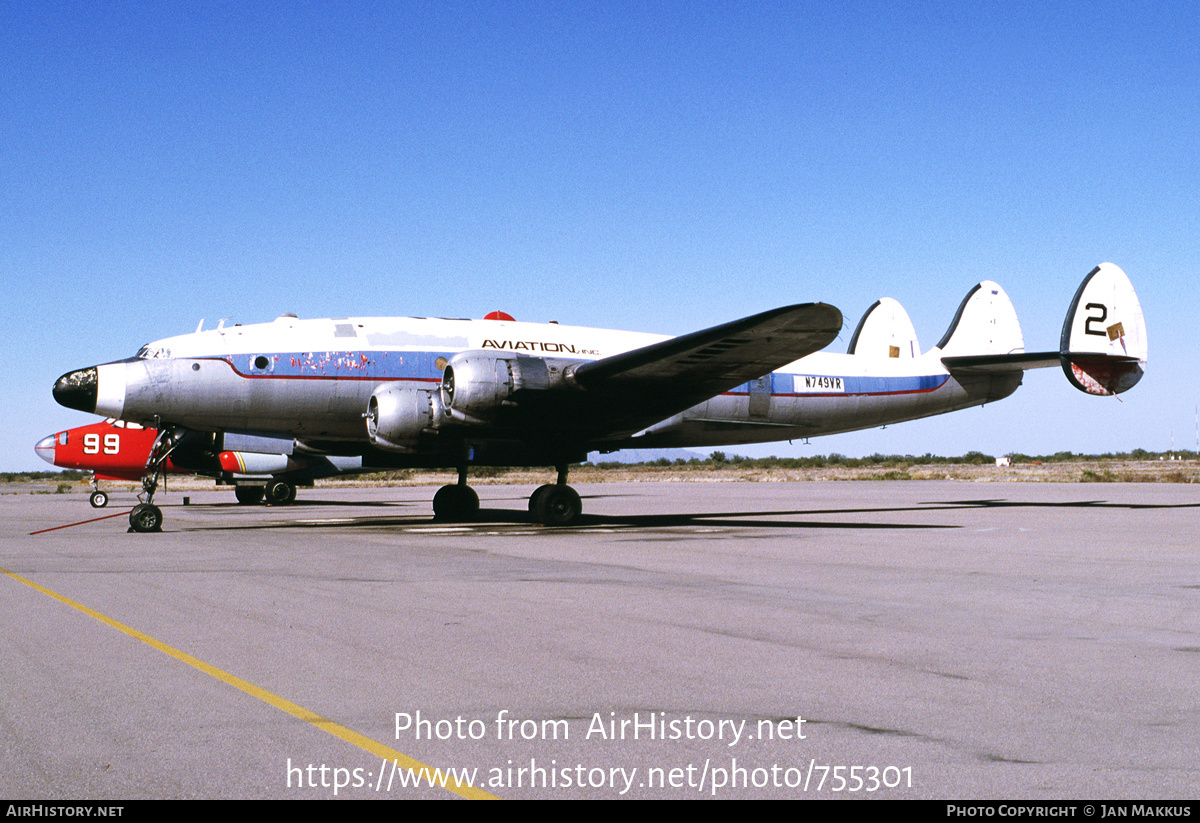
(885, 331)
(1103, 345)
(986, 323)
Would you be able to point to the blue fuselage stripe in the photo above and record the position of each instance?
(423, 366)
(784, 385)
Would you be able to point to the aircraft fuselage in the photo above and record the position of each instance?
(313, 380)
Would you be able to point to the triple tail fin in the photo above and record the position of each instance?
(885, 331)
(1103, 346)
(985, 326)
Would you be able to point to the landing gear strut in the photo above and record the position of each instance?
(147, 517)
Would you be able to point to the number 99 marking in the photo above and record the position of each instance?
(91, 443)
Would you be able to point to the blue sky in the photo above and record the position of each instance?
(649, 166)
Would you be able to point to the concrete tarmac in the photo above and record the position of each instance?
(900, 640)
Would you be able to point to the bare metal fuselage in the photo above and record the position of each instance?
(313, 380)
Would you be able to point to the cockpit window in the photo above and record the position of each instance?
(152, 352)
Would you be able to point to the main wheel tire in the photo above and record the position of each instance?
(280, 492)
(558, 506)
(455, 504)
(146, 517)
(248, 495)
(537, 495)
(98, 499)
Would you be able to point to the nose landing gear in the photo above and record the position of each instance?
(147, 517)
(98, 499)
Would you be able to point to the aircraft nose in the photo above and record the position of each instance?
(45, 449)
(78, 390)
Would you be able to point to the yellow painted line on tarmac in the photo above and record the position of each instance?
(324, 724)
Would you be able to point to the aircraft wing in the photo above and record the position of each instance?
(629, 391)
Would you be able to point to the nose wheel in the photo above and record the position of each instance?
(145, 517)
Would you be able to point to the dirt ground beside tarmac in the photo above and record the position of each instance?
(1097, 471)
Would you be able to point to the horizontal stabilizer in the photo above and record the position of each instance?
(998, 363)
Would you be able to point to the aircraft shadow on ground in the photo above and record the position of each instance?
(762, 519)
(489, 518)
(1068, 504)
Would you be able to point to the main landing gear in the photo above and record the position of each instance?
(275, 493)
(554, 504)
(279, 493)
(457, 502)
(248, 495)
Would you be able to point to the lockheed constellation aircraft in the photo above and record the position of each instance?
(427, 392)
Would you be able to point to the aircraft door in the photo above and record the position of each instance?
(760, 398)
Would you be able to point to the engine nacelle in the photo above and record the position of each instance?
(476, 385)
(396, 416)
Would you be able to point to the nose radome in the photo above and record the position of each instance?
(78, 390)
(45, 449)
